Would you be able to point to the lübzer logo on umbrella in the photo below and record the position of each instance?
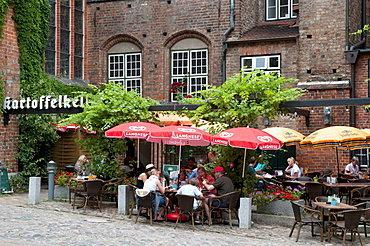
(265, 139)
(137, 128)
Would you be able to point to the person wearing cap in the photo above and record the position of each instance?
(144, 176)
(223, 185)
(353, 168)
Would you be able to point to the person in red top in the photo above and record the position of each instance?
(202, 175)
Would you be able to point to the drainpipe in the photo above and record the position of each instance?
(224, 37)
(352, 58)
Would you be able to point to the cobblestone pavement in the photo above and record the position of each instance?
(56, 223)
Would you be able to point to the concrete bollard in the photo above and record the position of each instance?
(124, 199)
(34, 190)
(245, 213)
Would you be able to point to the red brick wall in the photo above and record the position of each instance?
(123, 20)
(9, 67)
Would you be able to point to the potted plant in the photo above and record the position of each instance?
(276, 199)
(62, 182)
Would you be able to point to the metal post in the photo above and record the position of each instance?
(51, 170)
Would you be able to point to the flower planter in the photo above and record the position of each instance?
(61, 192)
(278, 207)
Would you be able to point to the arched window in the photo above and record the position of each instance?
(189, 64)
(125, 66)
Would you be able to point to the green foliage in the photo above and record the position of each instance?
(4, 6)
(18, 183)
(238, 103)
(108, 106)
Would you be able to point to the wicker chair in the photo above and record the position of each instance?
(351, 220)
(110, 189)
(133, 204)
(313, 190)
(312, 174)
(365, 219)
(92, 192)
(313, 217)
(145, 199)
(185, 203)
(304, 178)
(234, 197)
(359, 195)
(326, 173)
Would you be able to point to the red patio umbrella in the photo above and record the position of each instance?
(136, 130)
(180, 135)
(247, 138)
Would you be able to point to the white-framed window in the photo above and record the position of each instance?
(60, 51)
(268, 63)
(189, 67)
(280, 9)
(126, 69)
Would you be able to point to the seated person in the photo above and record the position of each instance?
(153, 184)
(144, 176)
(353, 168)
(223, 185)
(252, 163)
(190, 166)
(260, 166)
(183, 178)
(293, 168)
(202, 175)
(192, 189)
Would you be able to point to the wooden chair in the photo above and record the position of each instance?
(233, 201)
(313, 217)
(110, 189)
(92, 192)
(313, 190)
(185, 204)
(351, 220)
(145, 201)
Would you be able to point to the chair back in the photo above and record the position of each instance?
(312, 174)
(185, 202)
(342, 180)
(234, 198)
(326, 173)
(297, 211)
(145, 201)
(314, 190)
(93, 187)
(352, 218)
(321, 199)
(304, 178)
(362, 181)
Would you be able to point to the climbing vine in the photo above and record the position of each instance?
(36, 133)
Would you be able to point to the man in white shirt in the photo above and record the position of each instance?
(353, 168)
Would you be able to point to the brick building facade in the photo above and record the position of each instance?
(146, 44)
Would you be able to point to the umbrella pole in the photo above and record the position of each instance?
(138, 153)
(179, 158)
(336, 153)
(244, 160)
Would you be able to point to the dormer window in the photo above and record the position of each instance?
(280, 9)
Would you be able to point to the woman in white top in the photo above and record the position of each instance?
(293, 168)
(154, 184)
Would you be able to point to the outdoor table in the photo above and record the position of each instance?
(348, 186)
(326, 208)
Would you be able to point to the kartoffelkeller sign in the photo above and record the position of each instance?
(61, 104)
(44, 102)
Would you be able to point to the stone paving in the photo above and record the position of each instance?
(56, 223)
